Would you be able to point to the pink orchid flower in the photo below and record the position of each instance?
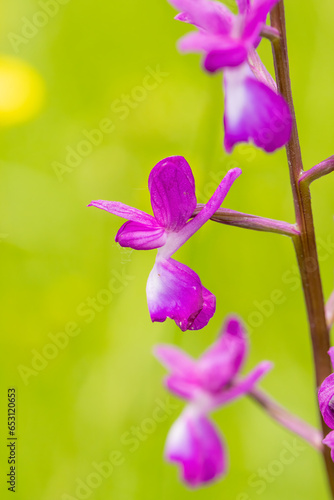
(212, 381)
(254, 111)
(173, 289)
(326, 404)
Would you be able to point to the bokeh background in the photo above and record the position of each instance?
(67, 69)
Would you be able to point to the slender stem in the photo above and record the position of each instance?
(305, 244)
(306, 431)
(330, 311)
(247, 221)
(270, 33)
(323, 168)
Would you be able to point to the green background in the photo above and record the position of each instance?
(81, 406)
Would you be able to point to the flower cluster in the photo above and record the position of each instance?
(206, 384)
(173, 290)
(326, 404)
(253, 109)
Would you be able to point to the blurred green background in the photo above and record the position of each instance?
(79, 404)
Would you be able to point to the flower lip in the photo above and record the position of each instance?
(175, 291)
(196, 446)
(253, 111)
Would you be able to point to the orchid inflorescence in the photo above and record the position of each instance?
(255, 112)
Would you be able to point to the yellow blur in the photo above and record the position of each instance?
(22, 91)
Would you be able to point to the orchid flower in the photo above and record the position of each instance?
(206, 384)
(329, 441)
(326, 404)
(253, 109)
(173, 289)
(326, 395)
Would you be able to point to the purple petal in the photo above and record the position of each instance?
(175, 291)
(242, 386)
(184, 380)
(256, 17)
(183, 17)
(206, 14)
(243, 5)
(263, 6)
(326, 400)
(196, 446)
(172, 187)
(254, 112)
(208, 310)
(117, 208)
(227, 57)
(223, 361)
(178, 239)
(183, 387)
(200, 41)
(329, 441)
(175, 360)
(141, 236)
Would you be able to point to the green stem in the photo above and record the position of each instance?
(305, 244)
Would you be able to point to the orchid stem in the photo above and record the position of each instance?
(270, 33)
(305, 243)
(318, 171)
(306, 431)
(247, 221)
